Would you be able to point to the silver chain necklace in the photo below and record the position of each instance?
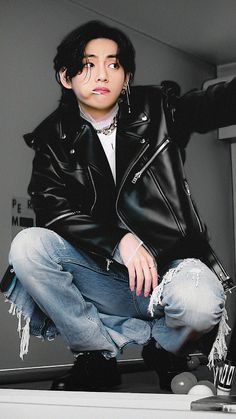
(109, 129)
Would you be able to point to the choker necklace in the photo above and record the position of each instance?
(109, 129)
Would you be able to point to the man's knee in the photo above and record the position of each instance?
(25, 241)
(29, 245)
(194, 297)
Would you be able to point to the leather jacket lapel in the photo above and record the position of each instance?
(84, 143)
(127, 147)
(132, 134)
(89, 151)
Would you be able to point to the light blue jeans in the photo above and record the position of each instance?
(62, 290)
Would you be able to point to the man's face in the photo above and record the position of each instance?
(99, 85)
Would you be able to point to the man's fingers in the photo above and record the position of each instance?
(132, 276)
(139, 276)
(148, 278)
(154, 272)
(142, 273)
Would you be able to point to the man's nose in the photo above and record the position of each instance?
(102, 74)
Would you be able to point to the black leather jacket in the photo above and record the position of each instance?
(72, 188)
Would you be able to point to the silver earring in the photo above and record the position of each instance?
(128, 97)
(126, 90)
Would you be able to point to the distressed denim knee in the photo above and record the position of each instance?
(191, 296)
(32, 246)
(31, 242)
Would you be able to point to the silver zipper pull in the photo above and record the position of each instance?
(109, 261)
(136, 177)
(187, 188)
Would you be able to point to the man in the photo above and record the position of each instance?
(115, 215)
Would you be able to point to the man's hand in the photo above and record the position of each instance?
(140, 264)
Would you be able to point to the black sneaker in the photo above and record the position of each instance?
(166, 365)
(90, 372)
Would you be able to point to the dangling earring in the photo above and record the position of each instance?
(126, 90)
(128, 97)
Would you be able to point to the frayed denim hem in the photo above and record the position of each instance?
(31, 320)
(24, 331)
(219, 348)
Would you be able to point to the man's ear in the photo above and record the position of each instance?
(64, 81)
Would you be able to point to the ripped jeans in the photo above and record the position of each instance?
(61, 290)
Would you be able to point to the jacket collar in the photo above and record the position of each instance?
(132, 133)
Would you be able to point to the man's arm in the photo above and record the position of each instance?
(141, 265)
(205, 110)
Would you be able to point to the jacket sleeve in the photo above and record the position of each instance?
(204, 110)
(52, 207)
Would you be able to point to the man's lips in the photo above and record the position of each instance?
(101, 90)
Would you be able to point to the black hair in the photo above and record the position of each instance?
(70, 52)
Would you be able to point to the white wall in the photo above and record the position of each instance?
(30, 31)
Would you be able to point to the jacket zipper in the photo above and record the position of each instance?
(187, 189)
(162, 146)
(108, 262)
(60, 217)
(168, 205)
(129, 170)
(149, 248)
(94, 189)
(137, 176)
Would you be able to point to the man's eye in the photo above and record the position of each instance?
(114, 65)
(88, 65)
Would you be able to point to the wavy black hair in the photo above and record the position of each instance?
(70, 52)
